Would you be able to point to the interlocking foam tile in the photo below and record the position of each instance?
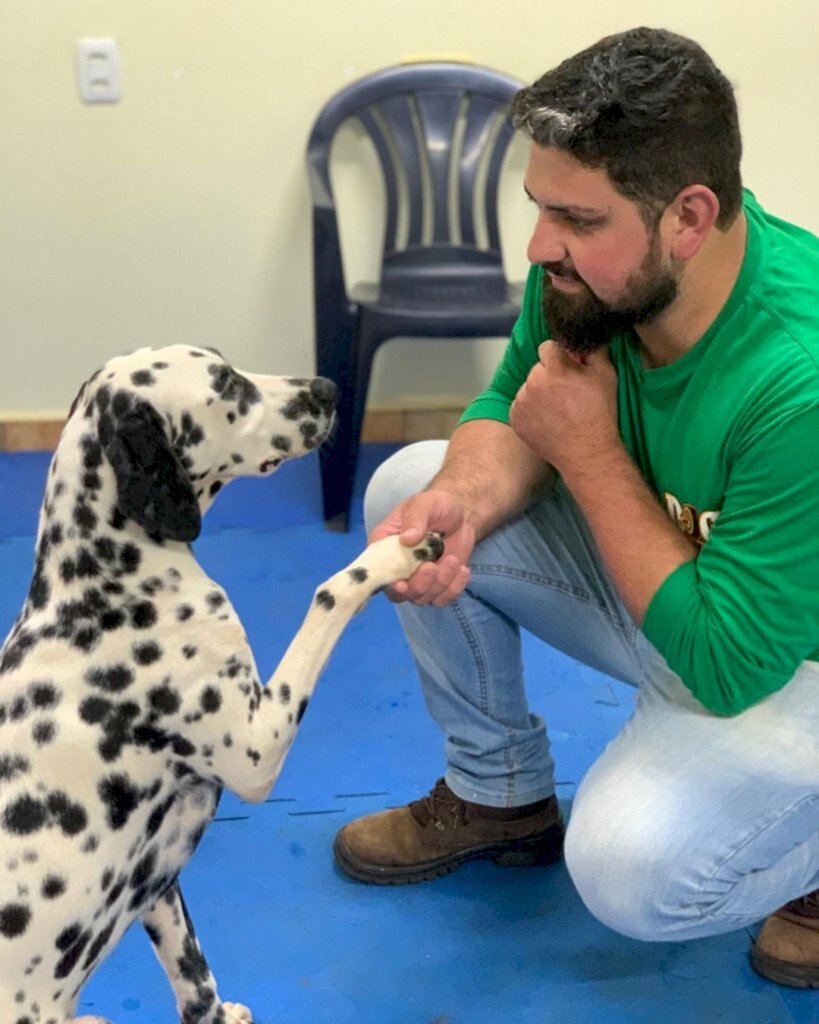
(289, 935)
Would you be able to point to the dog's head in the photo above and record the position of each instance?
(177, 423)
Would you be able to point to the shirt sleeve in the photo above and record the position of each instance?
(736, 623)
(518, 359)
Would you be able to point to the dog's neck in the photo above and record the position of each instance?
(83, 540)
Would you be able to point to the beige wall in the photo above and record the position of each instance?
(181, 213)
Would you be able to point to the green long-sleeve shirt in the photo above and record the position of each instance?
(727, 437)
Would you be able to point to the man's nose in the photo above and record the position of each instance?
(546, 244)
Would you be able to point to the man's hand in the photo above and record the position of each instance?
(566, 412)
(440, 582)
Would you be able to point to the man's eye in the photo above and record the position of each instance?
(579, 224)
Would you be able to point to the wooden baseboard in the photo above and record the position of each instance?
(397, 425)
(30, 435)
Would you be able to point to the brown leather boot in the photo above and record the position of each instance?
(435, 835)
(787, 949)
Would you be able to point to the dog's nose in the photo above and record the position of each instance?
(324, 391)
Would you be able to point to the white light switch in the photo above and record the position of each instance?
(98, 73)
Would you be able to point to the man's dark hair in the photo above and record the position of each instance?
(649, 107)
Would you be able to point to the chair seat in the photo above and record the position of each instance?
(429, 298)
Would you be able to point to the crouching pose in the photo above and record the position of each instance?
(639, 487)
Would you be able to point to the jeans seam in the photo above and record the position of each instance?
(477, 654)
(480, 663)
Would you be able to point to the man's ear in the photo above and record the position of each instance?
(153, 487)
(693, 212)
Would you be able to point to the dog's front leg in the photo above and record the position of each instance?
(334, 604)
(236, 732)
(171, 932)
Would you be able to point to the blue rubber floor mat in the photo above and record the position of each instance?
(299, 943)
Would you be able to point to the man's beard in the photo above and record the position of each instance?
(582, 323)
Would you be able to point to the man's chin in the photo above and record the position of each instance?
(577, 320)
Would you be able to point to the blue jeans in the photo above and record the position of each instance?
(688, 824)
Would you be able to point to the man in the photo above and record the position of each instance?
(639, 486)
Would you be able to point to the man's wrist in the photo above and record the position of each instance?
(595, 463)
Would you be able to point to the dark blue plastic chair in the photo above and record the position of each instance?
(440, 131)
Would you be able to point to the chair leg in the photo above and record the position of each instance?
(339, 455)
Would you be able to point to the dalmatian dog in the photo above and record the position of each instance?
(129, 696)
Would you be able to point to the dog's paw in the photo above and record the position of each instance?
(430, 549)
(235, 1013)
(388, 560)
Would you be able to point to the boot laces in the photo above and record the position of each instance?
(440, 808)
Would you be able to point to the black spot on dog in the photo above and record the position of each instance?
(14, 919)
(19, 709)
(85, 518)
(184, 612)
(211, 700)
(284, 693)
(94, 709)
(143, 379)
(25, 815)
(44, 695)
(86, 638)
(121, 798)
(112, 619)
(12, 766)
(117, 891)
(112, 679)
(105, 548)
(72, 954)
(302, 708)
(143, 615)
(359, 575)
(68, 936)
(147, 653)
(326, 600)
(233, 387)
(99, 944)
(303, 404)
(144, 869)
(164, 699)
(17, 646)
(70, 816)
(43, 732)
(182, 747)
(52, 887)
(92, 453)
(40, 591)
(130, 558)
(157, 816)
(87, 565)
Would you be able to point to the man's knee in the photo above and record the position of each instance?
(629, 870)
(402, 475)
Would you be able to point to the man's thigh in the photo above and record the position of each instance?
(541, 570)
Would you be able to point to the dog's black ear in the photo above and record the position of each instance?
(153, 488)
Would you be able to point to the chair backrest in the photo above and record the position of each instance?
(440, 131)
